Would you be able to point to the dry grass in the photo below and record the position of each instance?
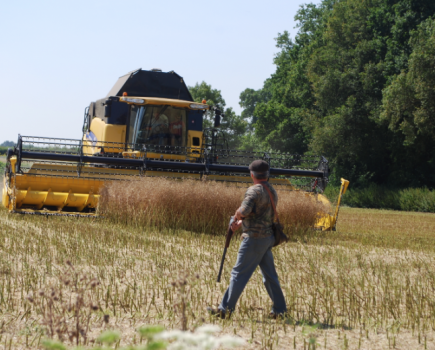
(384, 229)
(195, 206)
(355, 294)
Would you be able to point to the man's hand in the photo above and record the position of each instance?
(236, 225)
(238, 215)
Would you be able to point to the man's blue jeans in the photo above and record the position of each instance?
(254, 252)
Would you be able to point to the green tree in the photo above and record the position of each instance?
(280, 110)
(212, 96)
(347, 86)
(8, 144)
(409, 105)
(249, 98)
(232, 125)
(409, 102)
(337, 86)
(365, 45)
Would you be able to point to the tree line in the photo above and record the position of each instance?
(356, 84)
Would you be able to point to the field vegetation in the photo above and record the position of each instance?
(3, 150)
(381, 197)
(368, 285)
(195, 206)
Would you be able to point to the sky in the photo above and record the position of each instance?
(58, 56)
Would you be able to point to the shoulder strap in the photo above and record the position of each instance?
(271, 200)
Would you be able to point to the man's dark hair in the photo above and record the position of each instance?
(260, 169)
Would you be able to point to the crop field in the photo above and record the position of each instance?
(369, 285)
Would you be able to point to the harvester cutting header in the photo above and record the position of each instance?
(147, 125)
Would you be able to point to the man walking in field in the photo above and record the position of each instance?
(256, 248)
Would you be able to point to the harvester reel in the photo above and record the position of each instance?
(49, 169)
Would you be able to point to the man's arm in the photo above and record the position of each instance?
(237, 223)
(238, 215)
(245, 208)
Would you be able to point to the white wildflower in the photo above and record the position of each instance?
(166, 335)
(229, 341)
(201, 339)
(208, 329)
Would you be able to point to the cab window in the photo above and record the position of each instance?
(157, 125)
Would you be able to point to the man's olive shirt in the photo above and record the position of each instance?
(258, 211)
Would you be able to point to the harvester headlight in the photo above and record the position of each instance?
(133, 100)
(198, 106)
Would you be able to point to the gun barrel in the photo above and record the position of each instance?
(222, 265)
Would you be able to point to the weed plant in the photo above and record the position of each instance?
(196, 206)
(66, 307)
(369, 285)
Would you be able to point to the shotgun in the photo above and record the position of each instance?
(227, 244)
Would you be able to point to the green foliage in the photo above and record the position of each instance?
(109, 337)
(212, 96)
(279, 110)
(232, 125)
(356, 84)
(380, 197)
(409, 104)
(249, 98)
(154, 345)
(204, 91)
(7, 144)
(53, 345)
(149, 332)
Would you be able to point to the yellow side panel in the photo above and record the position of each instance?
(195, 150)
(190, 135)
(109, 133)
(97, 127)
(116, 134)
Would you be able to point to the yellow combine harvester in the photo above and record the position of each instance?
(147, 125)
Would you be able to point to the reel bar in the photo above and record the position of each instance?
(114, 149)
(159, 164)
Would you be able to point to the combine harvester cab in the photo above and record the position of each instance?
(148, 125)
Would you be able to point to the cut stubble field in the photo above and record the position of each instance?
(369, 285)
